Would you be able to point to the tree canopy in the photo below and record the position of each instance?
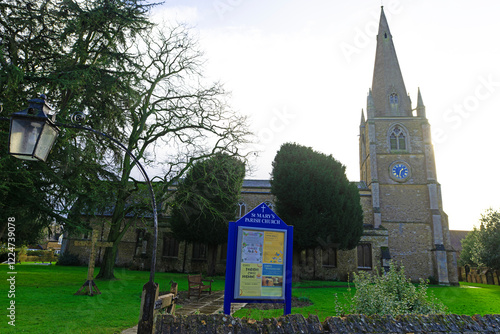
(74, 52)
(206, 200)
(481, 246)
(314, 195)
(141, 83)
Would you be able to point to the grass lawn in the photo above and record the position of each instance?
(468, 299)
(45, 300)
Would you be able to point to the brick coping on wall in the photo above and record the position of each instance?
(296, 323)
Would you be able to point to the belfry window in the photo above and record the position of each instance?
(397, 139)
(393, 98)
(394, 103)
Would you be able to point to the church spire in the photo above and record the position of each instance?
(389, 93)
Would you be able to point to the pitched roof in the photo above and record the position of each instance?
(456, 239)
(256, 183)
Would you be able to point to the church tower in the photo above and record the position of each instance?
(397, 165)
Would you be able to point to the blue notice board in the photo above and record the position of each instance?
(259, 260)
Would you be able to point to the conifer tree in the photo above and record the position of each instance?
(314, 195)
(205, 201)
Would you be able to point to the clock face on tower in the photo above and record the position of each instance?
(399, 171)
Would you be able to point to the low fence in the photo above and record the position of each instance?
(296, 323)
(479, 275)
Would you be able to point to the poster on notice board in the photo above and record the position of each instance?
(260, 266)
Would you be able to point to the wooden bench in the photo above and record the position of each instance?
(164, 304)
(195, 283)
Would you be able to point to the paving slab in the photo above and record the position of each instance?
(207, 304)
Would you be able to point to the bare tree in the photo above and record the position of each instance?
(173, 116)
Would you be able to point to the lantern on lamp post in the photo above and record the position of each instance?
(32, 131)
(32, 135)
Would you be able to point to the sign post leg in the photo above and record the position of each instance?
(230, 266)
(289, 272)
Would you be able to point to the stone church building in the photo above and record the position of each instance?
(400, 195)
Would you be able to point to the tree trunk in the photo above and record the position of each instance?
(212, 259)
(115, 234)
(3, 229)
(108, 262)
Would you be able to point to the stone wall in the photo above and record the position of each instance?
(410, 244)
(126, 249)
(413, 239)
(296, 323)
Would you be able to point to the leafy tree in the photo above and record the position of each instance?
(390, 294)
(469, 254)
(206, 200)
(482, 245)
(140, 83)
(75, 53)
(490, 238)
(313, 194)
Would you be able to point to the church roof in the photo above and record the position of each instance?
(248, 183)
(388, 89)
(456, 238)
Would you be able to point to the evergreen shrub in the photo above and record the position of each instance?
(391, 293)
(68, 259)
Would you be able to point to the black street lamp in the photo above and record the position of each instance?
(32, 136)
(32, 132)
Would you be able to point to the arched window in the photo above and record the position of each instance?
(199, 251)
(394, 102)
(242, 209)
(365, 256)
(329, 257)
(170, 246)
(393, 98)
(141, 243)
(397, 138)
(270, 204)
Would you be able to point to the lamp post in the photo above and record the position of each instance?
(33, 133)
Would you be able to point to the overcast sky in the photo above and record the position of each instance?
(301, 71)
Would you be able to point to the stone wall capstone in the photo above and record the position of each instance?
(296, 323)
